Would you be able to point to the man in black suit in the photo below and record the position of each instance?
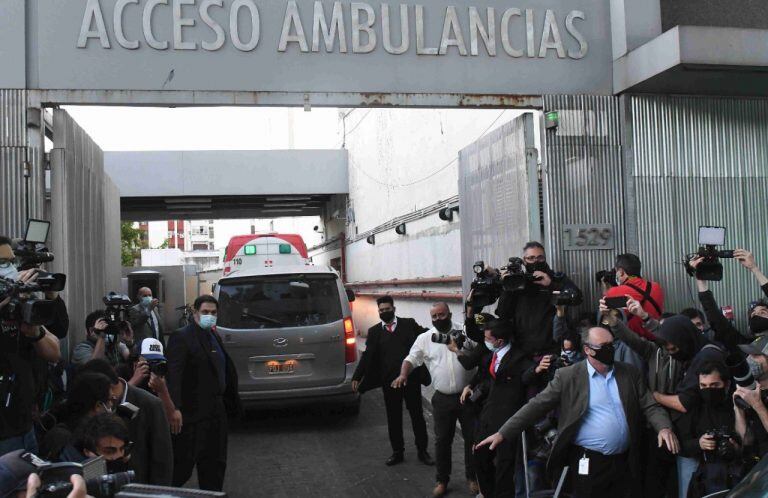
(387, 345)
(499, 386)
(202, 381)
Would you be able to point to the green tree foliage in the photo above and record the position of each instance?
(130, 246)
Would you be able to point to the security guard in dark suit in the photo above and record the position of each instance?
(387, 346)
(202, 381)
(500, 386)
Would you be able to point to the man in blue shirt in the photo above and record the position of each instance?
(601, 405)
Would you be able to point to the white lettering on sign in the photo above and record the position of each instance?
(531, 33)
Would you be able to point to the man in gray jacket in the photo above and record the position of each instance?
(144, 317)
(601, 406)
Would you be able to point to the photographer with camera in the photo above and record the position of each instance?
(144, 317)
(105, 435)
(89, 394)
(751, 401)
(723, 329)
(707, 434)
(499, 386)
(99, 343)
(530, 307)
(146, 419)
(438, 349)
(22, 345)
(664, 374)
(650, 295)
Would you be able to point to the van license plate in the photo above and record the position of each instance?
(281, 367)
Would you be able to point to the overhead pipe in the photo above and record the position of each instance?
(407, 281)
(423, 295)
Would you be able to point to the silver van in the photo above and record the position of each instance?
(290, 333)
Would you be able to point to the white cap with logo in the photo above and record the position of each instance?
(152, 349)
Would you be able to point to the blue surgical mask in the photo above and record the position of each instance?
(491, 346)
(146, 300)
(207, 322)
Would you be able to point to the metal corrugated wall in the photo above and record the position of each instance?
(582, 183)
(701, 161)
(85, 207)
(494, 195)
(15, 148)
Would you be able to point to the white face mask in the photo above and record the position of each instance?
(491, 346)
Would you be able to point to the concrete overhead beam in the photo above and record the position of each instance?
(724, 61)
(228, 173)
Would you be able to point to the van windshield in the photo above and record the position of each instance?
(276, 301)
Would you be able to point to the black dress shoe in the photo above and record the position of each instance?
(395, 459)
(425, 458)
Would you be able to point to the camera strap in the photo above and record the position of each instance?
(646, 295)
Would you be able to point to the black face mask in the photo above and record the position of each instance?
(537, 266)
(714, 395)
(443, 325)
(605, 354)
(115, 466)
(387, 316)
(681, 356)
(758, 324)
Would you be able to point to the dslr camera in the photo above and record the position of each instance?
(565, 297)
(724, 451)
(116, 312)
(457, 335)
(606, 277)
(710, 268)
(55, 477)
(488, 286)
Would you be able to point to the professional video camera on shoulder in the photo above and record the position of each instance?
(31, 252)
(710, 267)
(488, 284)
(116, 312)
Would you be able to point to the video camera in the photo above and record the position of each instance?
(116, 312)
(457, 335)
(710, 268)
(24, 306)
(488, 286)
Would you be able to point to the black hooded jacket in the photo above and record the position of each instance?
(695, 351)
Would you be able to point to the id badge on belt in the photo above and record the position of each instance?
(584, 466)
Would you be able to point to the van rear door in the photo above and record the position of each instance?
(283, 331)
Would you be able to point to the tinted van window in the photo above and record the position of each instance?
(276, 301)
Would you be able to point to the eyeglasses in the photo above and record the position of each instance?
(598, 347)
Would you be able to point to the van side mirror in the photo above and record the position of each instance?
(350, 295)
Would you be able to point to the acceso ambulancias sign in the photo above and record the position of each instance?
(473, 47)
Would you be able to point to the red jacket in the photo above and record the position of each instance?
(636, 287)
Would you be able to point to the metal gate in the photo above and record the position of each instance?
(498, 195)
(85, 224)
